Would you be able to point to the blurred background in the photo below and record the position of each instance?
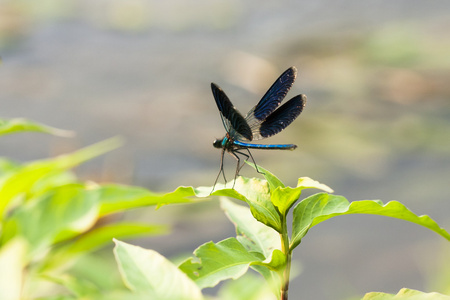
(376, 124)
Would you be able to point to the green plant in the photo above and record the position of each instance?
(262, 242)
(49, 224)
(51, 227)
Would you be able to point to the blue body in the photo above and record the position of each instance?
(262, 146)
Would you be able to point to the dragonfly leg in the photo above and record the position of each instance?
(257, 170)
(220, 171)
(246, 158)
(237, 166)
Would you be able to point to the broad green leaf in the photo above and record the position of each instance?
(284, 197)
(254, 235)
(224, 190)
(146, 271)
(257, 195)
(101, 236)
(308, 183)
(55, 216)
(115, 198)
(258, 237)
(406, 294)
(276, 261)
(320, 207)
(21, 182)
(269, 199)
(216, 262)
(20, 125)
(255, 192)
(180, 195)
(273, 181)
(12, 268)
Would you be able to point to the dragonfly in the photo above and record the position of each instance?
(264, 120)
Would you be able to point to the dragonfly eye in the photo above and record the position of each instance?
(217, 144)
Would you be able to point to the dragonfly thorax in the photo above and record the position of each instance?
(225, 143)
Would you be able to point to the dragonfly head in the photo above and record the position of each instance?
(218, 144)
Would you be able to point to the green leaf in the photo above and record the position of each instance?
(276, 261)
(254, 235)
(257, 195)
(20, 125)
(320, 207)
(180, 195)
(21, 181)
(273, 181)
(406, 294)
(102, 236)
(284, 197)
(53, 217)
(146, 271)
(12, 268)
(308, 183)
(116, 198)
(216, 262)
(257, 237)
(255, 192)
(223, 190)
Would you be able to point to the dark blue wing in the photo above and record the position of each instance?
(233, 121)
(282, 117)
(274, 95)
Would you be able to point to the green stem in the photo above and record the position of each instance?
(285, 249)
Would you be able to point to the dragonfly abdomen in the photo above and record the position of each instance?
(267, 147)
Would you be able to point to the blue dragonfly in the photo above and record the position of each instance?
(262, 121)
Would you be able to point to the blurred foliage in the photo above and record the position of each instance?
(51, 223)
(18, 125)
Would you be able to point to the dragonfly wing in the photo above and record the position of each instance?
(274, 95)
(282, 117)
(234, 122)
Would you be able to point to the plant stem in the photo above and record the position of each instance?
(285, 249)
